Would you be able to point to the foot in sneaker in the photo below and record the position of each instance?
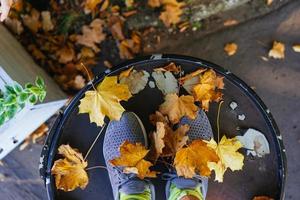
(125, 186)
(196, 187)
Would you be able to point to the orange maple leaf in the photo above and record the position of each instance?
(176, 107)
(188, 162)
(171, 67)
(69, 172)
(172, 12)
(132, 159)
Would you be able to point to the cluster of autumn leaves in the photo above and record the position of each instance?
(170, 138)
(69, 33)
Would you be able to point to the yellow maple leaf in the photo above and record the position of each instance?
(105, 101)
(206, 90)
(229, 157)
(69, 172)
(176, 107)
(132, 159)
(194, 158)
(277, 50)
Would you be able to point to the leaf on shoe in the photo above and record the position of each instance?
(177, 107)
(188, 163)
(158, 117)
(105, 101)
(227, 150)
(92, 35)
(69, 172)
(190, 76)
(136, 80)
(277, 50)
(166, 82)
(132, 159)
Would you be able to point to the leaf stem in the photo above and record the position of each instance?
(88, 74)
(95, 167)
(218, 120)
(94, 142)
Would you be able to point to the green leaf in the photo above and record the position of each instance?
(33, 99)
(10, 100)
(23, 97)
(35, 90)
(42, 96)
(29, 85)
(40, 82)
(2, 119)
(17, 88)
(11, 112)
(10, 89)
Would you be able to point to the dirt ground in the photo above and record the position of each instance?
(277, 82)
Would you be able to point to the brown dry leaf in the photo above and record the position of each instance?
(125, 73)
(206, 90)
(32, 21)
(172, 12)
(158, 117)
(92, 35)
(129, 13)
(129, 47)
(230, 22)
(4, 9)
(277, 50)
(132, 159)
(176, 107)
(170, 67)
(188, 162)
(296, 48)
(65, 54)
(136, 80)
(69, 172)
(157, 142)
(14, 25)
(91, 5)
(18, 5)
(79, 82)
(154, 3)
(116, 26)
(230, 48)
(262, 198)
(37, 54)
(129, 3)
(107, 64)
(46, 21)
(191, 75)
(269, 2)
(86, 52)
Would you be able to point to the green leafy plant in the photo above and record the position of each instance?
(15, 97)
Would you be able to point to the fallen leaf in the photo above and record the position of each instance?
(79, 82)
(129, 3)
(277, 50)
(32, 21)
(4, 9)
(191, 75)
(158, 117)
(166, 82)
(65, 54)
(170, 68)
(116, 26)
(86, 52)
(188, 163)
(227, 150)
(14, 25)
(176, 107)
(172, 12)
(107, 64)
(136, 81)
(129, 47)
(262, 198)
(132, 159)
(105, 101)
(46, 21)
(37, 54)
(125, 73)
(230, 22)
(296, 48)
(154, 3)
(91, 5)
(157, 143)
(69, 172)
(92, 35)
(207, 90)
(230, 48)
(129, 13)
(269, 2)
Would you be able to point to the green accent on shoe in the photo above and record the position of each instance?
(146, 195)
(177, 194)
